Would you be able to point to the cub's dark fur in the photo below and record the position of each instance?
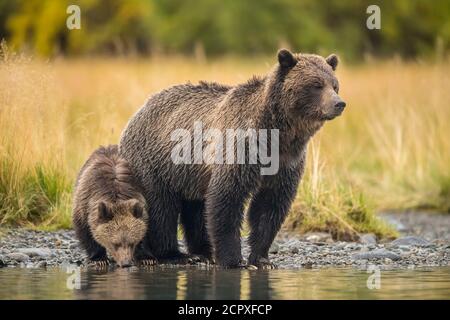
(297, 96)
(109, 210)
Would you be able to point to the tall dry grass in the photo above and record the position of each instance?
(390, 149)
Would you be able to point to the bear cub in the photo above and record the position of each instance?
(109, 210)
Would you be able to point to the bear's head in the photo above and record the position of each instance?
(310, 88)
(120, 227)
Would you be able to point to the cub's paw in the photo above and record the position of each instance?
(260, 263)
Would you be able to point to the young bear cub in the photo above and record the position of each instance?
(109, 210)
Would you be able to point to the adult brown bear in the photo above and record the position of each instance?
(296, 97)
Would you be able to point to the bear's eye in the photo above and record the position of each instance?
(318, 85)
(336, 88)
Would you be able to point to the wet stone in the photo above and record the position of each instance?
(410, 241)
(377, 254)
(18, 257)
(35, 252)
(368, 238)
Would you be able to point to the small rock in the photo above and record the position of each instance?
(41, 264)
(404, 248)
(410, 241)
(2, 261)
(35, 252)
(368, 238)
(18, 257)
(376, 254)
(274, 248)
(318, 237)
(73, 245)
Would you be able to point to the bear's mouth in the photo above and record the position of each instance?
(333, 115)
(329, 117)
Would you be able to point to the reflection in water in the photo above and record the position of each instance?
(192, 283)
(171, 283)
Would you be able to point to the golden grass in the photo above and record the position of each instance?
(390, 149)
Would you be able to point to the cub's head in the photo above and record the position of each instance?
(120, 227)
(310, 88)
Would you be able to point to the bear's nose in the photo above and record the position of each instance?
(340, 105)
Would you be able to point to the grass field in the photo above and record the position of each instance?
(389, 150)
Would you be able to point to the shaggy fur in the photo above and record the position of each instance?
(109, 211)
(296, 97)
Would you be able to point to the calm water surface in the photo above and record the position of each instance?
(170, 283)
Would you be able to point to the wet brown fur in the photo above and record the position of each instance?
(297, 96)
(109, 210)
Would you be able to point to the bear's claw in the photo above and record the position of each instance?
(99, 264)
(261, 263)
(148, 262)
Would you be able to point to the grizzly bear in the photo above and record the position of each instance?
(109, 210)
(294, 99)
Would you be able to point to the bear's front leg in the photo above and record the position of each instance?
(161, 237)
(96, 254)
(224, 207)
(267, 212)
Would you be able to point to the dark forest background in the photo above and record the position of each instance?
(409, 28)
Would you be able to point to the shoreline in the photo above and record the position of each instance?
(424, 242)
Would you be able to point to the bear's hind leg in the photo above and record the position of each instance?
(194, 228)
(224, 210)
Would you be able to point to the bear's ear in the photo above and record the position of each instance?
(333, 61)
(137, 210)
(286, 58)
(104, 214)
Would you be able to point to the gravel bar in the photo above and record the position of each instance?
(424, 241)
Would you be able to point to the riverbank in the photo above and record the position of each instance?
(424, 241)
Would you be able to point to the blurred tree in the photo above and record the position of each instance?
(410, 28)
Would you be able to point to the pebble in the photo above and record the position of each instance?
(274, 248)
(27, 248)
(318, 237)
(73, 245)
(410, 241)
(377, 254)
(41, 264)
(35, 252)
(17, 256)
(368, 238)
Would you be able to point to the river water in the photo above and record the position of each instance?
(191, 283)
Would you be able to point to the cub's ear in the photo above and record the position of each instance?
(104, 214)
(137, 210)
(286, 58)
(333, 61)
